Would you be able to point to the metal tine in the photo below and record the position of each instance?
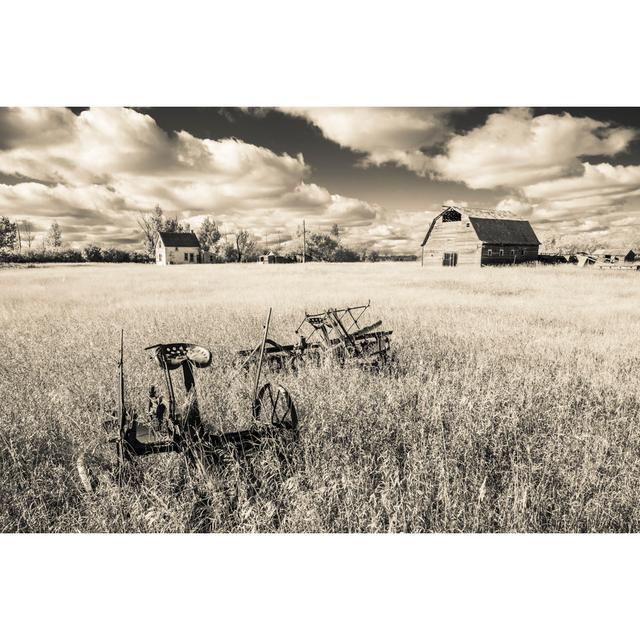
(264, 340)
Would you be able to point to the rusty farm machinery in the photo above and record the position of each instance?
(333, 334)
(169, 429)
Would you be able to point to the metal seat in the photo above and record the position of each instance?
(175, 353)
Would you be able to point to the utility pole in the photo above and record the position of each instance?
(304, 243)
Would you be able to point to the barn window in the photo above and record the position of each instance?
(451, 216)
(501, 252)
(489, 252)
(513, 252)
(521, 251)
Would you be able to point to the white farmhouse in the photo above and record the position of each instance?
(180, 248)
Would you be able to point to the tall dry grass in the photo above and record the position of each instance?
(512, 405)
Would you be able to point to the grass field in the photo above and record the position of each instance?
(513, 403)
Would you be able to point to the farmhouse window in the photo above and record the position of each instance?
(191, 257)
(489, 252)
(186, 257)
(513, 252)
(501, 252)
(522, 251)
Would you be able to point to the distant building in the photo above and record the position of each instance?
(180, 248)
(615, 255)
(274, 258)
(478, 237)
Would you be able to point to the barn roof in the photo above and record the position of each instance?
(493, 226)
(172, 239)
(501, 231)
(482, 213)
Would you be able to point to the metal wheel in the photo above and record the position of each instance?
(274, 407)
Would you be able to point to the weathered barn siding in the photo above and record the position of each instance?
(455, 237)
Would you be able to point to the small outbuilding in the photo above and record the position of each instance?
(616, 255)
(274, 258)
(478, 237)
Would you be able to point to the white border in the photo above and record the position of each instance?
(288, 586)
(287, 53)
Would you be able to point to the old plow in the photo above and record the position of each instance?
(335, 334)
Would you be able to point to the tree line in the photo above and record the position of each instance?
(18, 244)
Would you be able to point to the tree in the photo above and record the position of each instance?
(27, 232)
(173, 226)
(229, 253)
(373, 256)
(322, 246)
(8, 233)
(92, 253)
(327, 247)
(335, 231)
(345, 254)
(246, 247)
(150, 224)
(54, 235)
(208, 234)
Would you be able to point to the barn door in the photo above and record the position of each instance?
(450, 259)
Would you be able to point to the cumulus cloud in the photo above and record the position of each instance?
(101, 167)
(515, 149)
(606, 182)
(394, 135)
(540, 161)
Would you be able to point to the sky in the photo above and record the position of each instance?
(381, 174)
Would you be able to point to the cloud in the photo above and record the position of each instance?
(103, 166)
(540, 162)
(603, 182)
(383, 135)
(515, 149)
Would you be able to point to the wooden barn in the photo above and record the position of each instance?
(478, 237)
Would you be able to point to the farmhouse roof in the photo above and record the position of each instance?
(171, 239)
(493, 226)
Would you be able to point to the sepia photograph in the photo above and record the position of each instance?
(321, 320)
